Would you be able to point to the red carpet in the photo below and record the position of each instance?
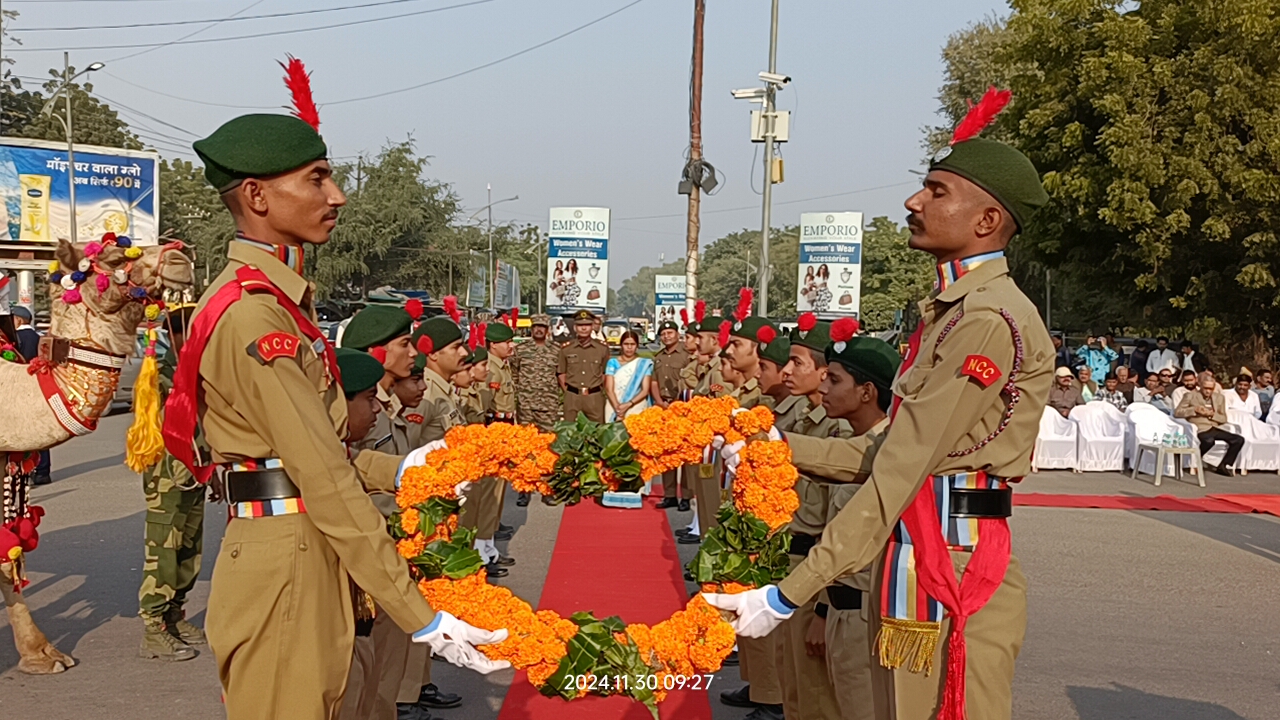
(612, 562)
(1213, 503)
(1269, 504)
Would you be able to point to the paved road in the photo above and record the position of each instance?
(1133, 615)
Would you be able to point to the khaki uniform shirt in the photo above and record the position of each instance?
(471, 404)
(840, 495)
(704, 379)
(797, 415)
(943, 411)
(502, 385)
(439, 409)
(1192, 401)
(583, 365)
(290, 408)
(749, 394)
(668, 367)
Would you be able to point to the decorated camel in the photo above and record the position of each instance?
(100, 291)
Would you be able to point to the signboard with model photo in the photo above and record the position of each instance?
(830, 274)
(578, 260)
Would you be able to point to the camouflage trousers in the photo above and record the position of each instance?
(543, 419)
(174, 537)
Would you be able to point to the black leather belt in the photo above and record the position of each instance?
(843, 597)
(802, 543)
(975, 503)
(259, 485)
(583, 391)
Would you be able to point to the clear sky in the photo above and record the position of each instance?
(597, 118)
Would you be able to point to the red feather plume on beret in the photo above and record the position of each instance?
(766, 334)
(844, 329)
(807, 322)
(699, 310)
(379, 353)
(451, 307)
(477, 336)
(425, 345)
(725, 327)
(746, 296)
(414, 308)
(298, 80)
(684, 317)
(981, 115)
(515, 317)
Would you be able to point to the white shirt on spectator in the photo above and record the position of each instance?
(1161, 359)
(1251, 405)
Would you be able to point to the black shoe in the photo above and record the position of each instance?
(505, 528)
(433, 698)
(731, 660)
(504, 535)
(504, 561)
(522, 500)
(766, 712)
(739, 698)
(548, 501)
(667, 502)
(41, 479)
(412, 711)
(689, 539)
(495, 570)
(688, 576)
(1224, 470)
(683, 506)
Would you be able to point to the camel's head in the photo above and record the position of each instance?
(100, 289)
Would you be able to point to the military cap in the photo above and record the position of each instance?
(498, 332)
(668, 325)
(478, 355)
(419, 365)
(257, 146)
(360, 371)
(750, 327)
(871, 359)
(777, 351)
(376, 325)
(440, 329)
(583, 316)
(815, 337)
(22, 312)
(541, 319)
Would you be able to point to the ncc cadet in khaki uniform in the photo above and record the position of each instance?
(534, 377)
(668, 364)
(774, 357)
(481, 510)
(581, 369)
(499, 339)
(702, 378)
(968, 402)
(261, 383)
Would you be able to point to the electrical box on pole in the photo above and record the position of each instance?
(781, 125)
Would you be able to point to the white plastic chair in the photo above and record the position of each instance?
(1056, 444)
(1102, 432)
(1148, 426)
(1261, 449)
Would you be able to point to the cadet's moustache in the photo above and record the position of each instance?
(914, 222)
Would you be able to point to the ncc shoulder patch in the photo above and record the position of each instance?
(980, 368)
(495, 386)
(414, 418)
(275, 345)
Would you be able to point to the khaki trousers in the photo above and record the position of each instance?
(362, 683)
(760, 664)
(806, 684)
(704, 481)
(994, 637)
(849, 661)
(280, 621)
(591, 405)
(404, 667)
(671, 479)
(480, 511)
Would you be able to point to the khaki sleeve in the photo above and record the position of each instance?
(1187, 407)
(377, 471)
(928, 425)
(837, 460)
(562, 363)
(279, 403)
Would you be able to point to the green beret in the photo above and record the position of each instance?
(478, 355)
(583, 316)
(419, 365)
(360, 371)
(777, 351)
(258, 146)
(1001, 170)
(498, 332)
(440, 329)
(376, 325)
(750, 327)
(817, 338)
(871, 359)
(668, 325)
(709, 324)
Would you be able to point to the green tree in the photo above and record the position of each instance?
(93, 121)
(1156, 125)
(635, 296)
(191, 211)
(893, 275)
(733, 262)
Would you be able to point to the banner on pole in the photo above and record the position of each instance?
(578, 259)
(668, 298)
(830, 273)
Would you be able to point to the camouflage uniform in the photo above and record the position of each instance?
(537, 389)
(174, 540)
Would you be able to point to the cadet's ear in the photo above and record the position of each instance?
(68, 255)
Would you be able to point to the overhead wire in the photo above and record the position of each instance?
(785, 202)
(189, 35)
(172, 23)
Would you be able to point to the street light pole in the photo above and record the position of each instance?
(493, 280)
(769, 121)
(65, 88)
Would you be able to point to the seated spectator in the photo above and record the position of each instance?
(1243, 398)
(1064, 395)
(1208, 412)
(1088, 388)
(1109, 393)
(1189, 384)
(1138, 362)
(1162, 357)
(1167, 380)
(1063, 358)
(1121, 358)
(1097, 355)
(1266, 390)
(1192, 360)
(1153, 392)
(1125, 383)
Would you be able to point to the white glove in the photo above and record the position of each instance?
(418, 457)
(731, 454)
(455, 641)
(759, 611)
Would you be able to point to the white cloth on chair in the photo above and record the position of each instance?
(1261, 442)
(1056, 443)
(1102, 432)
(1148, 425)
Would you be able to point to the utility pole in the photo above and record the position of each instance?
(695, 158)
(71, 160)
(769, 121)
(493, 270)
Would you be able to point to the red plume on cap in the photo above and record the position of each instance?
(844, 329)
(725, 327)
(684, 316)
(379, 353)
(414, 308)
(766, 334)
(515, 317)
(746, 296)
(298, 80)
(982, 114)
(699, 311)
(477, 337)
(425, 345)
(451, 307)
(807, 322)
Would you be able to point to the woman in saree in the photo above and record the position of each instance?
(626, 380)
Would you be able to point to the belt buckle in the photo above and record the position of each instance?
(584, 391)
